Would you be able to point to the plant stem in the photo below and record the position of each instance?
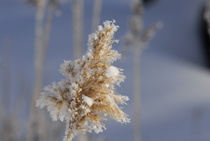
(39, 63)
(78, 27)
(96, 14)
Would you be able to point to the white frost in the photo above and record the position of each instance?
(87, 100)
(112, 71)
(106, 85)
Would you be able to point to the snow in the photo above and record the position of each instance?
(74, 86)
(106, 85)
(112, 71)
(87, 100)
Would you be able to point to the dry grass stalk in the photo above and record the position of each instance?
(78, 27)
(96, 14)
(39, 67)
(78, 39)
(136, 40)
(87, 94)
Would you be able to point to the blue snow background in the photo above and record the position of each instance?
(175, 81)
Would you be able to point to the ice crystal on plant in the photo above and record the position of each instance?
(87, 95)
(87, 100)
(112, 71)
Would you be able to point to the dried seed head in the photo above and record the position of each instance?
(87, 96)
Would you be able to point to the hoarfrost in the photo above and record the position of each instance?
(87, 93)
(112, 71)
(87, 100)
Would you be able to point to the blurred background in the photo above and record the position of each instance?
(167, 80)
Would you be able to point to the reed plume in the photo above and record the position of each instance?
(87, 96)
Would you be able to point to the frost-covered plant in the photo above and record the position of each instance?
(136, 40)
(87, 94)
(138, 36)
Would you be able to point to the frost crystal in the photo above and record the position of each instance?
(87, 100)
(87, 96)
(112, 71)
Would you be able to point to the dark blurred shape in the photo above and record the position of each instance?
(205, 36)
(149, 1)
